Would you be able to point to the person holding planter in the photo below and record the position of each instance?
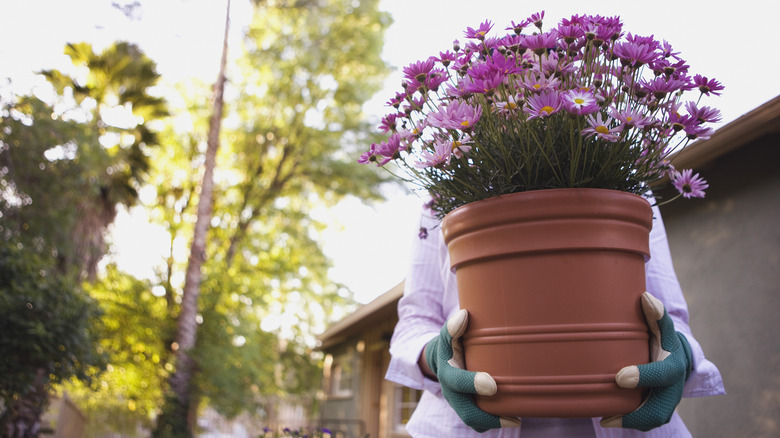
(430, 323)
(586, 115)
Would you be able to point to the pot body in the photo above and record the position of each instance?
(552, 281)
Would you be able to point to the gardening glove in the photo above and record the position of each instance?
(444, 355)
(665, 376)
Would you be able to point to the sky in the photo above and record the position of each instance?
(734, 42)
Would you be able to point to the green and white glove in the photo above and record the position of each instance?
(444, 356)
(671, 365)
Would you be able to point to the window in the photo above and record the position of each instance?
(405, 401)
(341, 376)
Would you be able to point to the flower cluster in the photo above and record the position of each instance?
(584, 104)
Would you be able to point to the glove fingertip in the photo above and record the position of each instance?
(457, 324)
(508, 422)
(652, 306)
(612, 422)
(628, 377)
(484, 384)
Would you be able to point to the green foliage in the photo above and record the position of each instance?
(287, 148)
(47, 323)
(40, 179)
(66, 164)
(135, 332)
(306, 73)
(295, 125)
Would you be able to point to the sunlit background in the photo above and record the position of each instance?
(734, 42)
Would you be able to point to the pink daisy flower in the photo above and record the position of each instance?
(445, 58)
(389, 149)
(389, 122)
(419, 70)
(544, 104)
(442, 151)
(456, 115)
(688, 184)
(704, 114)
(600, 128)
(536, 83)
(661, 86)
(707, 86)
(536, 19)
(539, 43)
(369, 155)
(517, 28)
(629, 118)
(480, 32)
(580, 102)
(509, 104)
(635, 55)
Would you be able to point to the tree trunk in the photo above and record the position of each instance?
(186, 334)
(23, 418)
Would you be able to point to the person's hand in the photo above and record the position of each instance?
(444, 357)
(665, 376)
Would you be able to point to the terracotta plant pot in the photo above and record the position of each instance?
(552, 281)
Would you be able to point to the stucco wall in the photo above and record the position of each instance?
(726, 250)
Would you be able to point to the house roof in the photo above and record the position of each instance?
(764, 120)
(380, 309)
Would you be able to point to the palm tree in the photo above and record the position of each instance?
(178, 412)
(113, 161)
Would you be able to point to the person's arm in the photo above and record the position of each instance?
(425, 348)
(423, 365)
(662, 282)
(420, 311)
(676, 368)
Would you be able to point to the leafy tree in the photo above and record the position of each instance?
(134, 335)
(66, 163)
(294, 124)
(46, 335)
(69, 163)
(291, 135)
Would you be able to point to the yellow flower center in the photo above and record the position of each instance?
(579, 101)
(464, 123)
(537, 86)
(601, 129)
(629, 119)
(456, 144)
(511, 105)
(546, 109)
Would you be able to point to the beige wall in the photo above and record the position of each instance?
(726, 250)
